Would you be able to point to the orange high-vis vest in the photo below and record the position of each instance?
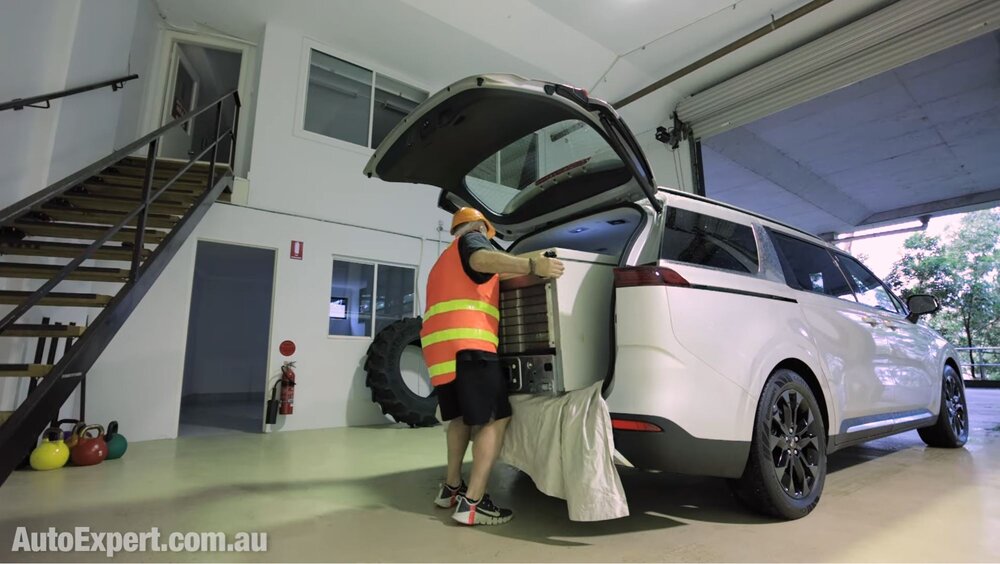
(461, 315)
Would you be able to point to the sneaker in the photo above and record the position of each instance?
(484, 512)
(446, 498)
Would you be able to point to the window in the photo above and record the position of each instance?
(339, 101)
(366, 296)
(811, 267)
(539, 161)
(868, 289)
(709, 241)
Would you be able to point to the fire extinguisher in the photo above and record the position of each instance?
(283, 403)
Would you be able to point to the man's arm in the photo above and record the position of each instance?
(496, 262)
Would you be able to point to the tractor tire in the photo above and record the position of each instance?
(385, 379)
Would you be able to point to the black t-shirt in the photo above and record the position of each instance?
(469, 244)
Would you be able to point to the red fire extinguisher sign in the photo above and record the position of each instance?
(296, 252)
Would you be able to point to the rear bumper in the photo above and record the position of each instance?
(672, 449)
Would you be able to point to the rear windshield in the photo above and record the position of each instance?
(705, 240)
(539, 162)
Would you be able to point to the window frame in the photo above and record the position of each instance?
(375, 263)
(788, 273)
(840, 255)
(298, 127)
(664, 229)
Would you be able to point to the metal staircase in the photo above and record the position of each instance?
(136, 211)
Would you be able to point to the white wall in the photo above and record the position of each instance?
(300, 175)
(138, 380)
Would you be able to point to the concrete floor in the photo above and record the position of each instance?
(363, 494)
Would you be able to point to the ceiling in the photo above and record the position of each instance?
(611, 47)
(920, 139)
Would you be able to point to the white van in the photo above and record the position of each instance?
(737, 346)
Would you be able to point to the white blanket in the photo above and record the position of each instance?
(565, 444)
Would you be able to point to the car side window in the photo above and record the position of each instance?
(868, 289)
(811, 267)
(704, 240)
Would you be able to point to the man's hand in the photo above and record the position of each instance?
(548, 267)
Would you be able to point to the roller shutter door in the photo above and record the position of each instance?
(903, 32)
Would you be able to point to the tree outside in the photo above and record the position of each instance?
(960, 268)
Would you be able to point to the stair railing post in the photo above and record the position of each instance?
(215, 147)
(232, 136)
(140, 231)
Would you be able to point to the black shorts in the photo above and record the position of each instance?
(479, 391)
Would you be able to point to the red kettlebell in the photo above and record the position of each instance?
(89, 450)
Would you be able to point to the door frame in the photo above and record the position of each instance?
(161, 80)
(266, 371)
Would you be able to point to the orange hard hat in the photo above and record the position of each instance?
(466, 215)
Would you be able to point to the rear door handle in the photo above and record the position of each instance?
(870, 320)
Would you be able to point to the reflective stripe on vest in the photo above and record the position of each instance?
(461, 315)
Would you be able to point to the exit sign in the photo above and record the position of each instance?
(296, 252)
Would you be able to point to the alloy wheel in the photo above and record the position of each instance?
(954, 402)
(793, 443)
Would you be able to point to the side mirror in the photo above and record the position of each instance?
(921, 304)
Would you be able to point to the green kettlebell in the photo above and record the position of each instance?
(52, 453)
(117, 445)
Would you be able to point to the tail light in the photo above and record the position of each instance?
(632, 425)
(648, 276)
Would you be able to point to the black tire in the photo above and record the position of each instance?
(786, 469)
(385, 380)
(951, 430)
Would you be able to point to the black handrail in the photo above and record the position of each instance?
(18, 209)
(21, 103)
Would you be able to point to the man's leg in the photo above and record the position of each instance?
(458, 442)
(485, 451)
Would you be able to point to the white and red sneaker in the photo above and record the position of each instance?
(447, 496)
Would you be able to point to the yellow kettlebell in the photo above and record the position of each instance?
(52, 453)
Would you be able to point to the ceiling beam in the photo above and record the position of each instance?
(756, 155)
(969, 202)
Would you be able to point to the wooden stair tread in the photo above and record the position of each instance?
(135, 192)
(189, 191)
(30, 247)
(40, 330)
(104, 217)
(157, 182)
(81, 231)
(159, 173)
(24, 370)
(125, 203)
(174, 164)
(46, 271)
(15, 297)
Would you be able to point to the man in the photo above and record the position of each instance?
(459, 339)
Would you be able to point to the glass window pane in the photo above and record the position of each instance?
(351, 299)
(812, 268)
(552, 158)
(338, 100)
(395, 295)
(393, 101)
(709, 241)
(868, 289)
